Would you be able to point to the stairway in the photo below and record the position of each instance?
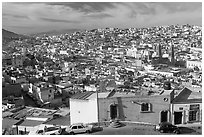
(115, 124)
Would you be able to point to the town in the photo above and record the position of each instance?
(103, 78)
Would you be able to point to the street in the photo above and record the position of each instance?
(142, 130)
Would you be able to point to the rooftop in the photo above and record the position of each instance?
(31, 123)
(64, 121)
(34, 112)
(8, 122)
(100, 95)
(188, 96)
(83, 95)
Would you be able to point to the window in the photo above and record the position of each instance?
(74, 127)
(192, 115)
(39, 131)
(145, 107)
(80, 127)
(52, 128)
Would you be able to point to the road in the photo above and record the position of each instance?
(142, 130)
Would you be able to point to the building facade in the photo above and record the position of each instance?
(187, 107)
(194, 63)
(145, 109)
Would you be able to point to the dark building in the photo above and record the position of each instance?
(159, 59)
(172, 55)
(160, 52)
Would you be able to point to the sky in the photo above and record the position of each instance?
(31, 17)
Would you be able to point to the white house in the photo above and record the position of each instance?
(186, 107)
(194, 63)
(83, 107)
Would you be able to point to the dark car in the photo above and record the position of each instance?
(166, 127)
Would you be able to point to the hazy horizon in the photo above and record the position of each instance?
(37, 17)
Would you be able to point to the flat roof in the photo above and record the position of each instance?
(100, 95)
(34, 112)
(82, 96)
(64, 121)
(31, 123)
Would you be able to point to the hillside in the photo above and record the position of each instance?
(8, 36)
(55, 32)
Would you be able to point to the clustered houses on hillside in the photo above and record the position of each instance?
(127, 67)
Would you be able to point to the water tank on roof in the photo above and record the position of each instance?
(167, 85)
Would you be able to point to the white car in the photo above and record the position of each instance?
(79, 128)
(50, 131)
(47, 130)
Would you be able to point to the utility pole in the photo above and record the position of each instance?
(97, 107)
(98, 82)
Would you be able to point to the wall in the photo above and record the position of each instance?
(17, 61)
(168, 74)
(11, 90)
(56, 102)
(129, 111)
(47, 94)
(192, 64)
(83, 111)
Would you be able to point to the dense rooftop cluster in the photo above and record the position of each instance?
(89, 57)
(46, 71)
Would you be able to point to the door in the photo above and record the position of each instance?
(164, 116)
(74, 129)
(113, 111)
(177, 117)
(81, 129)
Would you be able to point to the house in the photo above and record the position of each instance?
(186, 107)
(79, 104)
(6, 60)
(90, 88)
(114, 105)
(194, 63)
(17, 61)
(28, 119)
(11, 90)
(164, 72)
(44, 91)
(26, 126)
(7, 126)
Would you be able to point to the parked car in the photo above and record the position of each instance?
(48, 130)
(79, 128)
(166, 127)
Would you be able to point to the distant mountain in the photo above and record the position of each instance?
(8, 36)
(56, 32)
